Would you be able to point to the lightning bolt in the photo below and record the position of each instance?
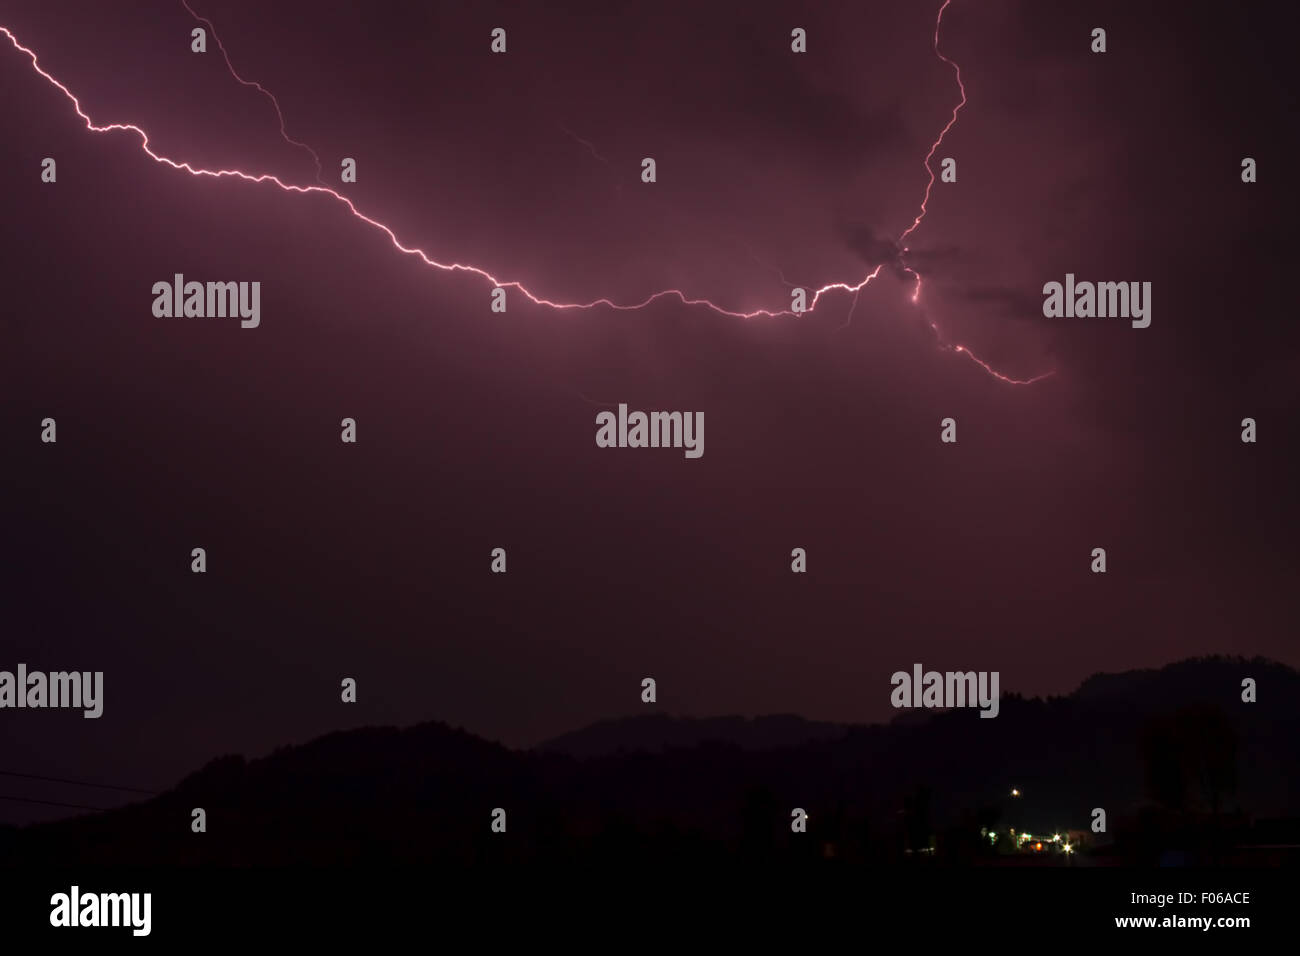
(257, 86)
(587, 143)
(942, 133)
(916, 290)
(679, 295)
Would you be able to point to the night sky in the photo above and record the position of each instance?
(476, 429)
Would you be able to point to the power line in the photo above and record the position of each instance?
(52, 803)
(77, 783)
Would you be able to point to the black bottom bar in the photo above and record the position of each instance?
(627, 903)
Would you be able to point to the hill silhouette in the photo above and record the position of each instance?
(1171, 754)
(656, 733)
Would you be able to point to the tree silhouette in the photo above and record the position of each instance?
(1190, 758)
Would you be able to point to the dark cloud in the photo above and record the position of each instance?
(869, 245)
(1015, 303)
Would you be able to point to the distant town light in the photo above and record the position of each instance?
(1015, 792)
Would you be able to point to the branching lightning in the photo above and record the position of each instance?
(257, 86)
(261, 178)
(587, 143)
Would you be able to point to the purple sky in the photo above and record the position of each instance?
(476, 430)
